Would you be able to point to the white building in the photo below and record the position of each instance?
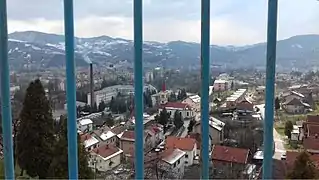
(174, 163)
(221, 85)
(107, 93)
(187, 144)
(90, 142)
(85, 125)
(149, 76)
(108, 137)
(194, 102)
(105, 158)
(161, 97)
(184, 109)
(78, 104)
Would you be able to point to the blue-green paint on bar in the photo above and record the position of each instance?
(270, 89)
(138, 88)
(71, 89)
(5, 94)
(205, 67)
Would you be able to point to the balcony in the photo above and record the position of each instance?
(138, 89)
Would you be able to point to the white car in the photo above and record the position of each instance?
(283, 156)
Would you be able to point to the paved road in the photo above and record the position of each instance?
(279, 143)
(185, 132)
(186, 124)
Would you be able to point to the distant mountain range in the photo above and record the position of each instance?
(41, 50)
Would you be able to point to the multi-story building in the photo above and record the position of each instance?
(107, 93)
(184, 109)
(236, 97)
(221, 85)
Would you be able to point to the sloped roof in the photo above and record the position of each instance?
(185, 144)
(230, 154)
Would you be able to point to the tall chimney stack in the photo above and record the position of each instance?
(92, 85)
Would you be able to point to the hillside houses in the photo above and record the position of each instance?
(296, 103)
(184, 109)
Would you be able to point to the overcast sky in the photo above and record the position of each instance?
(233, 22)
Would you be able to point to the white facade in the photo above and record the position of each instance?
(185, 113)
(194, 102)
(190, 155)
(174, 163)
(107, 93)
(91, 143)
(161, 97)
(98, 162)
(85, 125)
(221, 85)
(108, 138)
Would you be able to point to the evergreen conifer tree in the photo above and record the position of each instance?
(178, 121)
(35, 136)
(59, 166)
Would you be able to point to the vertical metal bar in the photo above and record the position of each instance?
(138, 88)
(205, 66)
(5, 94)
(71, 89)
(270, 88)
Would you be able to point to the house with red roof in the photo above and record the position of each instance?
(185, 110)
(127, 142)
(89, 141)
(173, 162)
(105, 157)
(229, 161)
(187, 144)
(311, 134)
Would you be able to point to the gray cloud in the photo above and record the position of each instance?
(53, 9)
(232, 21)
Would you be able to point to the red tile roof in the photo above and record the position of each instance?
(186, 144)
(313, 129)
(291, 156)
(279, 170)
(230, 154)
(313, 118)
(311, 143)
(128, 135)
(85, 137)
(106, 150)
(176, 105)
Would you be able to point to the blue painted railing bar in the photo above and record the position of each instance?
(5, 94)
(71, 89)
(205, 76)
(138, 88)
(270, 88)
